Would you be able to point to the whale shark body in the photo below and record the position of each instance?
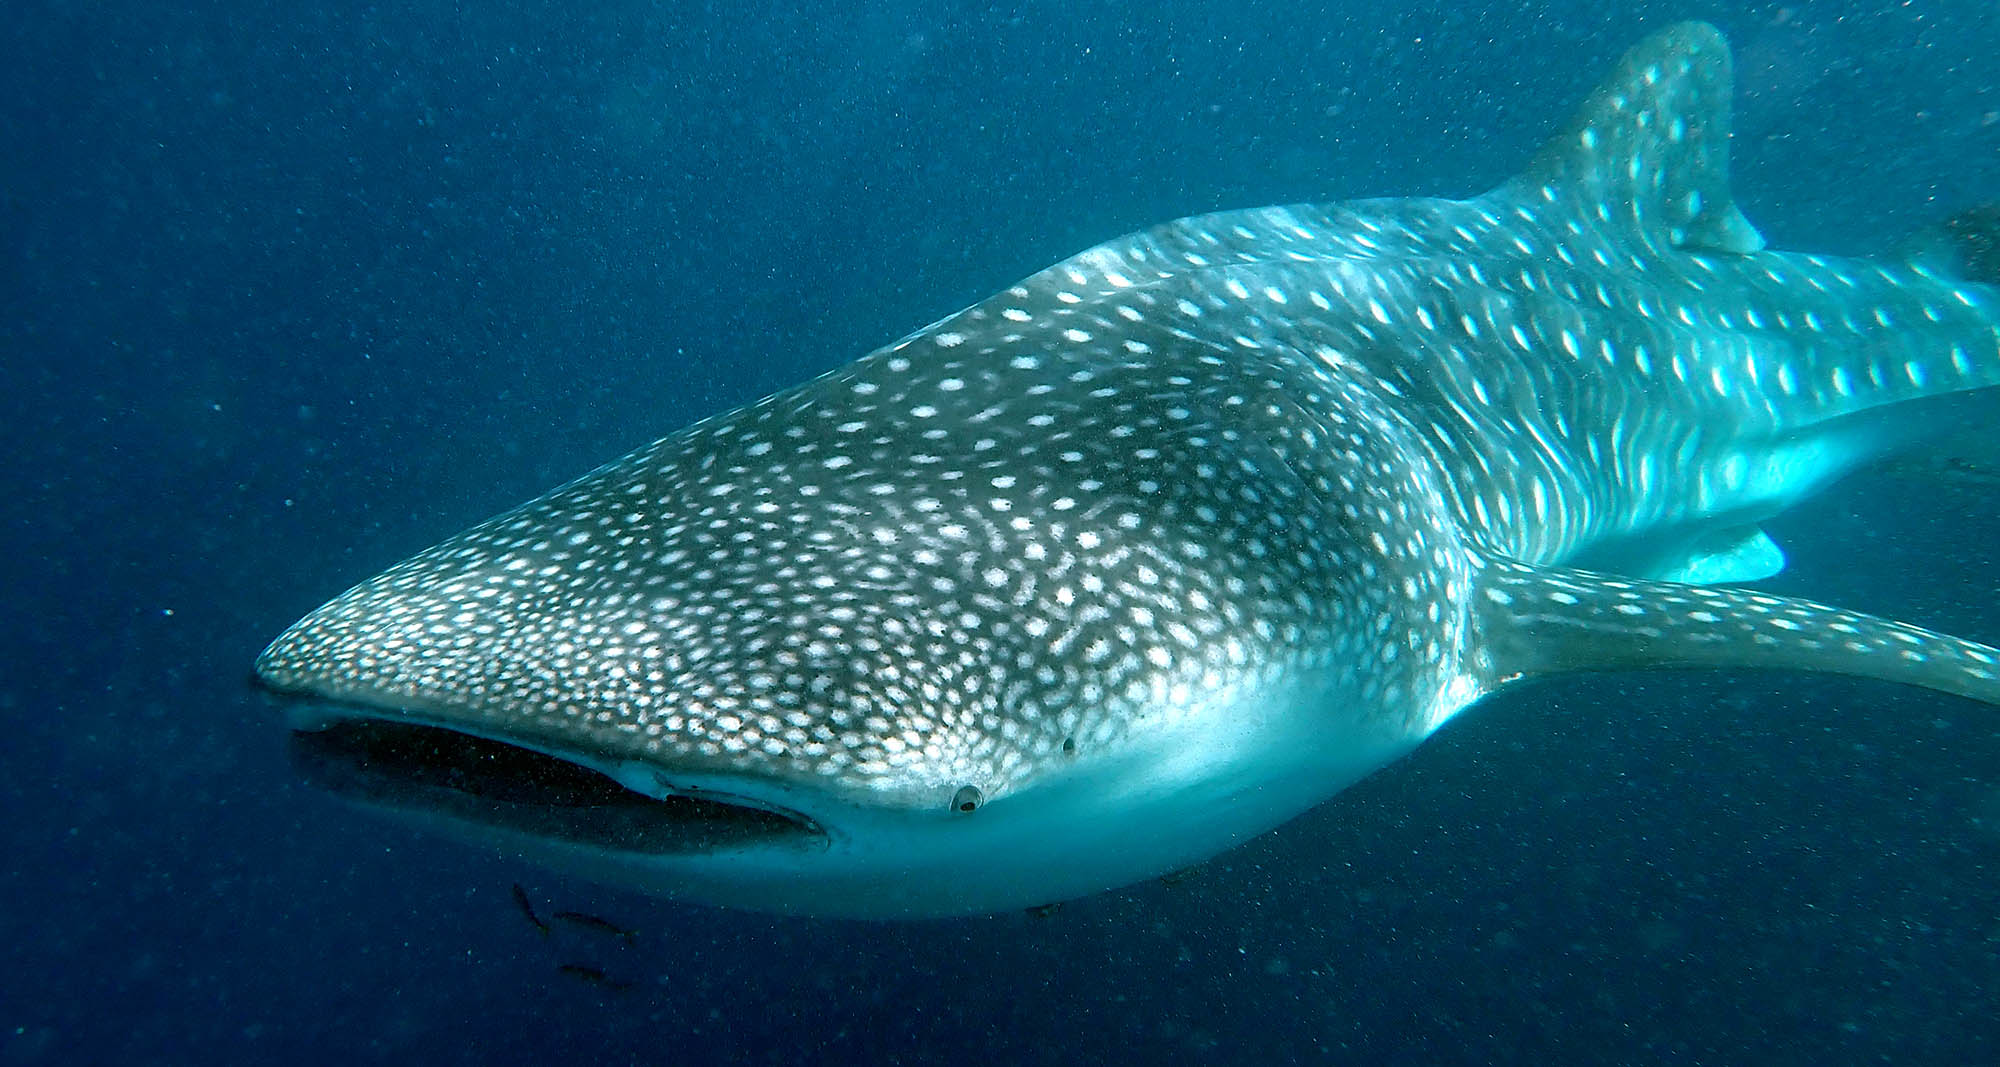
(1169, 542)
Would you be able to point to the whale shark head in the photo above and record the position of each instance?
(1156, 549)
(980, 620)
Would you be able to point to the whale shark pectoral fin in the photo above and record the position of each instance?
(1534, 621)
(1741, 554)
(1648, 153)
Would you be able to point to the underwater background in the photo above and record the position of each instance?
(291, 291)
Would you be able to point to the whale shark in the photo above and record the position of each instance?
(1172, 541)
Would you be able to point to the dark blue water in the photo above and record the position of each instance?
(291, 291)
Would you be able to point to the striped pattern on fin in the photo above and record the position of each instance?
(1537, 621)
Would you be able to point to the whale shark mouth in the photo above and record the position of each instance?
(482, 783)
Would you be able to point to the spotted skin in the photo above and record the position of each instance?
(1178, 537)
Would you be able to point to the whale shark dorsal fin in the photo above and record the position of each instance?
(1539, 621)
(1648, 153)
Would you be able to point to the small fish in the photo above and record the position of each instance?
(528, 910)
(596, 925)
(589, 974)
(1946, 471)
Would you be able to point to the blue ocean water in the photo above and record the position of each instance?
(292, 291)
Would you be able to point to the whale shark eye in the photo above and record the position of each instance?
(967, 799)
(1069, 746)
